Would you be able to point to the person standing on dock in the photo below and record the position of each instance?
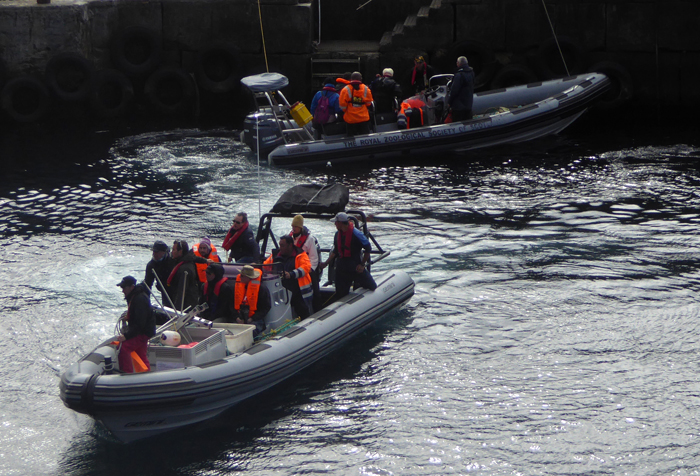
(461, 95)
(355, 98)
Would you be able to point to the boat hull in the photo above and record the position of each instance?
(544, 109)
(136, 406)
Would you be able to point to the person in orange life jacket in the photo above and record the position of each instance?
(385, 91)
(218, 293)
(461, 96)
(183, 282)
(161, 264)
(303, 239)
(240, 241)
(354, 101)
(205, 254)
(296, 275)
(351, 267)
(252, 302)
(140, 324)
(411, 114)
(421, 74)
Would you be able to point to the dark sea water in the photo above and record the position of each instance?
(555, 327)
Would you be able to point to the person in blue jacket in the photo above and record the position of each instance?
(325, 113)
(462, 91)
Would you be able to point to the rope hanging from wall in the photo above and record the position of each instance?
(262, 33)
(555, 38)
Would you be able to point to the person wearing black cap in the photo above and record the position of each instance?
(325, 107)
(354, 101)
(161, 264)
(139, 324)
(352, 248)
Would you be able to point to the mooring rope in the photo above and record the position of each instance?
(555, 39)
(262, 33)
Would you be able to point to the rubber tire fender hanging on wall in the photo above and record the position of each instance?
(549, 60)
(136, 51)
(112, 94)
(218, 68)
(621, 85)
(25, 99)
(513, 75)
(69, 76)
(480, 57)
(170, 90)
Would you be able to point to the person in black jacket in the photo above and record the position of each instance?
(218, 293)
(183, 282)
(240, 241)
(139, 324)
(462, 91)
(161, 264)
(386, 92)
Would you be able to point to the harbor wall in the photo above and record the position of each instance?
(655, 43)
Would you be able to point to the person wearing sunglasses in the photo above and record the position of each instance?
(240, 241)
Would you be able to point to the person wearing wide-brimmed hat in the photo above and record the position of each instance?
(138, 326)
(252, 299)
(351, 251)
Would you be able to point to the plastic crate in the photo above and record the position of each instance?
(211, 346)
(239, 337)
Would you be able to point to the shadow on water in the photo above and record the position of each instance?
(230, 441)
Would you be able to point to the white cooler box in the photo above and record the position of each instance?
(211, 346)
(239, 337)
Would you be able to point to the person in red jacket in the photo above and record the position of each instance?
(354, 101)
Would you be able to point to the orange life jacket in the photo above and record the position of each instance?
(303, 263)
(354, 103)
(412, 104)
(202, 267)
(248, 293)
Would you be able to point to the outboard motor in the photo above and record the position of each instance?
(266, 126)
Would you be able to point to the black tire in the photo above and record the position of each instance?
(621, 89)
(136, 51)
(170, 90)
(218, 68)
(69, 76)
(549, 59)
(513, 75)
(25, 99)
(481, 58)
(112, 94)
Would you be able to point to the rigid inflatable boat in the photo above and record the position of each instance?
(222, 363)
(283, 134)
